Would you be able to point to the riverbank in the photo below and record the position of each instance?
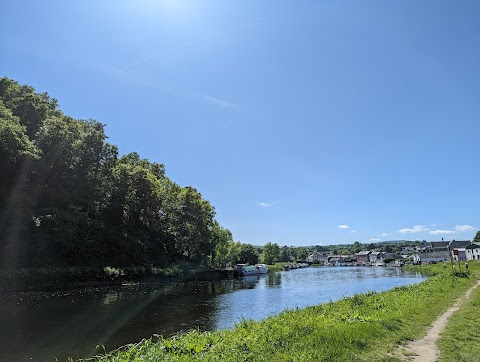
(460, 340)
(359, 328)
(45, 279)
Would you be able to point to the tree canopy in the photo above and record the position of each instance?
(476, 239)
(271, 252)
(68, 198)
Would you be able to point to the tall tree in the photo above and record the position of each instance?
(271, 252)
(220, 238)
(476, 239)
(248, 254)
(67, 198)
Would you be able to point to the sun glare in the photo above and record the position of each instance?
(166, 6)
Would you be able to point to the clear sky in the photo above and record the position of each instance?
(302, 122)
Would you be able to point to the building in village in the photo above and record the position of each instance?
(446, 250)
(318, 258)
(363, 257)
(458, 249)
(463, 251)
(458, 244)
(439, 246)
(375, 257)
(342, 260)
(472, 252)
(431, 257)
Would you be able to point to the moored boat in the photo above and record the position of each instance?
(244, 269)
(261, 268)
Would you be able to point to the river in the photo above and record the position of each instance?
(39, 326)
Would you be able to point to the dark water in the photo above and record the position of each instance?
(40, 326)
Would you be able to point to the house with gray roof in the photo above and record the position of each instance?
(458, 244)
(363, 257)
(431, 257)
(472, 252)
(439, 245)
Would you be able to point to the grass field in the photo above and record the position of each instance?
(365, 327)
(460, 341)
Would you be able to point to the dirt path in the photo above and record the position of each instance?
(425, 349)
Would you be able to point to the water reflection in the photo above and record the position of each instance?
(249, 281)
(274, 279)
(112, 297)
(40, 326)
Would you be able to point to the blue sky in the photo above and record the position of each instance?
(302, 122)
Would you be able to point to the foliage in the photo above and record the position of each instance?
(271, 252)
(459, 341)
(68, 199)
(285, 254)
(476, 239)
(248, 254)
(221, 238)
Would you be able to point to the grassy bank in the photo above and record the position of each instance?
(460, 341)
(277, 266)
(361, 328)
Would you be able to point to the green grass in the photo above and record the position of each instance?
(364, 327)
(460, 342)
(276, 267)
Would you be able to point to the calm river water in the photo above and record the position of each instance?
(39, 326)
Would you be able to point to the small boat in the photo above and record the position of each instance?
(261, 268)
(244, 269)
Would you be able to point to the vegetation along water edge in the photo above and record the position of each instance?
(366, 327)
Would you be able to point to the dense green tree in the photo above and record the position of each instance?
(15, 150)
(271, 252)
(302, 253)
(193, 224)
(67, 198)
(357, 247)
(476, 239)
(285, 254)
(221, 238)
(32, 108)
(248, 254)
(233, 254)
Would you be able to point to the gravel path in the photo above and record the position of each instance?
(425, 349)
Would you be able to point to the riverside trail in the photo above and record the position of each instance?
(425, 349)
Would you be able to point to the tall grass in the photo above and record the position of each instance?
(364, 327)
(460, 341)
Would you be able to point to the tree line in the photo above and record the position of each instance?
(68, 198)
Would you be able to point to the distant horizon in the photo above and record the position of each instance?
(301, 123)
(368, 243)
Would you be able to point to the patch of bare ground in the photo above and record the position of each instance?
(425, 349)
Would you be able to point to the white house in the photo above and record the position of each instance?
(316, 257)
(431, 257)
(459, 254)
(472, 252)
